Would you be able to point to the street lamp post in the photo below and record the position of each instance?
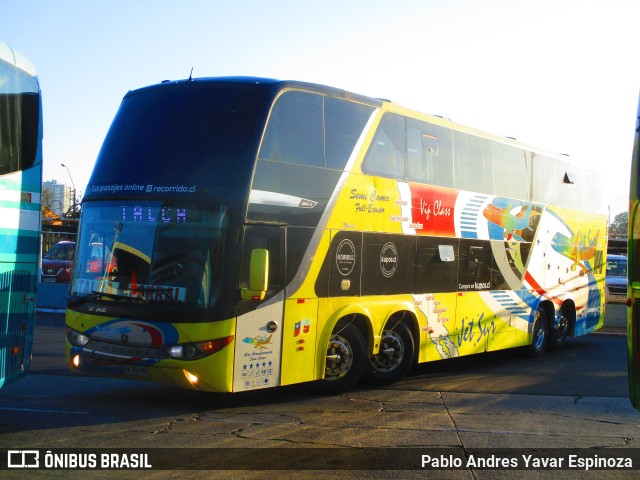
(73, 185)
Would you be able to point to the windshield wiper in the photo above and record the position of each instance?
(95, 295)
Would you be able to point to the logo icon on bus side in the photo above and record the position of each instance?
(346, 257)
(388, 259)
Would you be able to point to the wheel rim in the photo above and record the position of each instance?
(562, 327)
(339, 358)
(391, 353)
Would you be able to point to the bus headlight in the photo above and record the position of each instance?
(194, 351)
(76, 339)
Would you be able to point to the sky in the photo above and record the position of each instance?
(563, 75)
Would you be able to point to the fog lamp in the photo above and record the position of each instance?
(193, 380)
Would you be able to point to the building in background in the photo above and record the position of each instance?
(57, 197)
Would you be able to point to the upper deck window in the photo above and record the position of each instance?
(295, 132)
(429, 153)
(512, 168)
(386, 155)
(545, 179)
(313, 130)
(473, 163)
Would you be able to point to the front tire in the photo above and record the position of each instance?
(345, 361)
(394, 358)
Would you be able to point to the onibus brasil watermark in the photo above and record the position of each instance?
(34, 459)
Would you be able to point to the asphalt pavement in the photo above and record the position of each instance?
(575, 398)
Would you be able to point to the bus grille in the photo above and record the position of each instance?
(617, 289)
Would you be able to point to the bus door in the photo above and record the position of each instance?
(474, 319)
(260, 308)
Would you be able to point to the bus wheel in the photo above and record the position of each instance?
(559, 332)
(345, 364)
(394, 358)
(539, 334)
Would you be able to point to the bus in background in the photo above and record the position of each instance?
(243, 233)
(633, 272)
(20, 187)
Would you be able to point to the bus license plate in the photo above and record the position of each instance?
(135, 371)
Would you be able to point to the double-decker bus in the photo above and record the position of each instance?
(20, 187)
(633, 272)
(243, 233)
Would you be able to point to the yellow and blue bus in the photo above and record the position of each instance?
(243, 233)
(633, 272)
(20, 187)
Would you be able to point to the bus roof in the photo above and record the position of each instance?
(448, 123)
(270, 83)
(387, 105)
(15, 58)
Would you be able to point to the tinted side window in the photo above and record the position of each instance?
(295, 132)
(545, 179)
(387, 264)
(476, 264)
(570, 186)
(429, 153)
(345, 264)
(298, 239)
(473, 163)
(386, 153)
(513, 169)
(344, 122)
(432, 273)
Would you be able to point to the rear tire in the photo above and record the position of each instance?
(559, 332)
(394, 358)
(539, 334)
(345, 361)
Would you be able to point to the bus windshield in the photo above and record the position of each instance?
(19, 117)
(197, 142)
(142, 252)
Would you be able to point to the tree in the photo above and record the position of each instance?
(49, 204)
(620, 225)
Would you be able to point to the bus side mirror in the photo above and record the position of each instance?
(258, 275)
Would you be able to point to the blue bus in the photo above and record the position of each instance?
(20, 210)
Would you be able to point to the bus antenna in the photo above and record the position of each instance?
(191, 74)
